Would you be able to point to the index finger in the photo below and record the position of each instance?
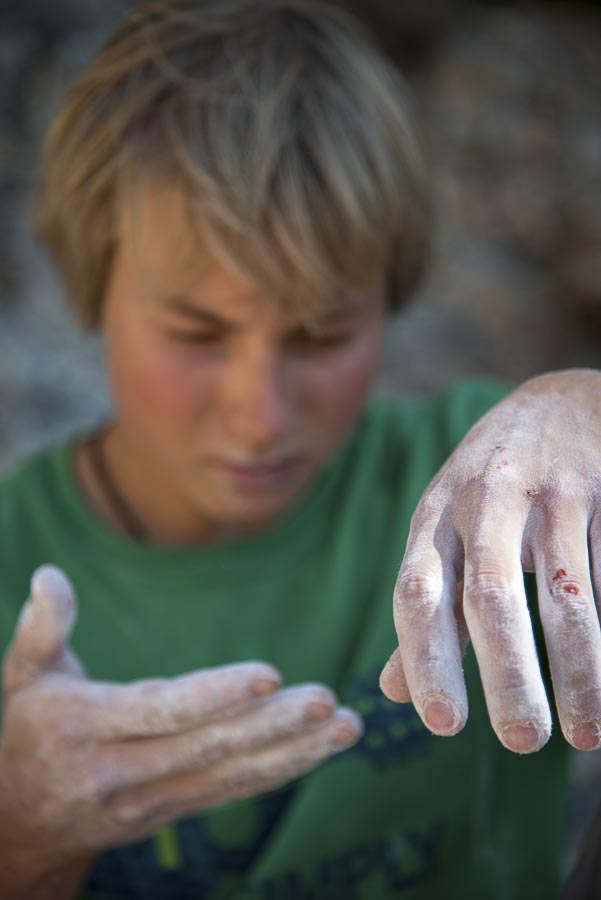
(424, 615)
(157, 706)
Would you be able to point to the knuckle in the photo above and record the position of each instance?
(236, 781)
(84, 777)
(486, 590)
(572, 610)
(127, 813)
(568, 591)
(492, 595)
(161, 709)
(416, 588)
(582, 697)
(430, 506)
(501, 466)
(94, 785)
(216, 745)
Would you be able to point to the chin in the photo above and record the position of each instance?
(244, 519)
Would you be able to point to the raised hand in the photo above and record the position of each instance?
(85, 765)
(522, 492)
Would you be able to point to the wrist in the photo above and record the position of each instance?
(26, 876)
(31, 871)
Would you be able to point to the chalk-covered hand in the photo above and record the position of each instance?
(522, 492)
(85, 765)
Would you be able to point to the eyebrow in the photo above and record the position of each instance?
(181, 305)
(207, 317)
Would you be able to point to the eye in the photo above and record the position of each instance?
(194, 337)
(323, 340)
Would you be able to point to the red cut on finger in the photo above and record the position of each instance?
(570, 622)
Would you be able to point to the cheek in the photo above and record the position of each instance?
(154, 387)
(338, 387)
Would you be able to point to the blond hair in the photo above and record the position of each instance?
(285, 131)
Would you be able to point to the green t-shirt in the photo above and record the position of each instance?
(403, 813)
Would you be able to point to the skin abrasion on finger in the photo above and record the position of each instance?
(563, 552)
(570, 621)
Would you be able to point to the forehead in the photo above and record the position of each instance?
(156, 235)
(173, 255)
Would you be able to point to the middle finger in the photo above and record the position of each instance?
(496, 613)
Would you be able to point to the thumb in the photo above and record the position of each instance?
(43, 629)
(393, 683)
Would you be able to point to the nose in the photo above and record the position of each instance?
(257, 401)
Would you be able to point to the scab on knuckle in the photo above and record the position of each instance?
(568, 593)
(500, 474)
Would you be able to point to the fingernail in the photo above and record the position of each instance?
(522, 738)
(441, 717)
(263, 687)
(349, 729)
(586, 736)
(346, 735)
(318, 712)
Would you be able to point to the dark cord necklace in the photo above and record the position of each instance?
(127, 518)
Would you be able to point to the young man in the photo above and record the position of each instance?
(234, 194)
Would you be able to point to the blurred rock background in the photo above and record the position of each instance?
(509, 99)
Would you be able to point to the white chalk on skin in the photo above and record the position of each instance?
(50, 583)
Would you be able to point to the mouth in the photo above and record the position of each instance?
(266, 473)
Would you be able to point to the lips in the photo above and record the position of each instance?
(271, 472)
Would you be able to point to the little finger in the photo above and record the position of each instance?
(289, 712)
(241, 776)
(570, 623)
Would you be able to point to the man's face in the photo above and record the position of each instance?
(226, 408)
